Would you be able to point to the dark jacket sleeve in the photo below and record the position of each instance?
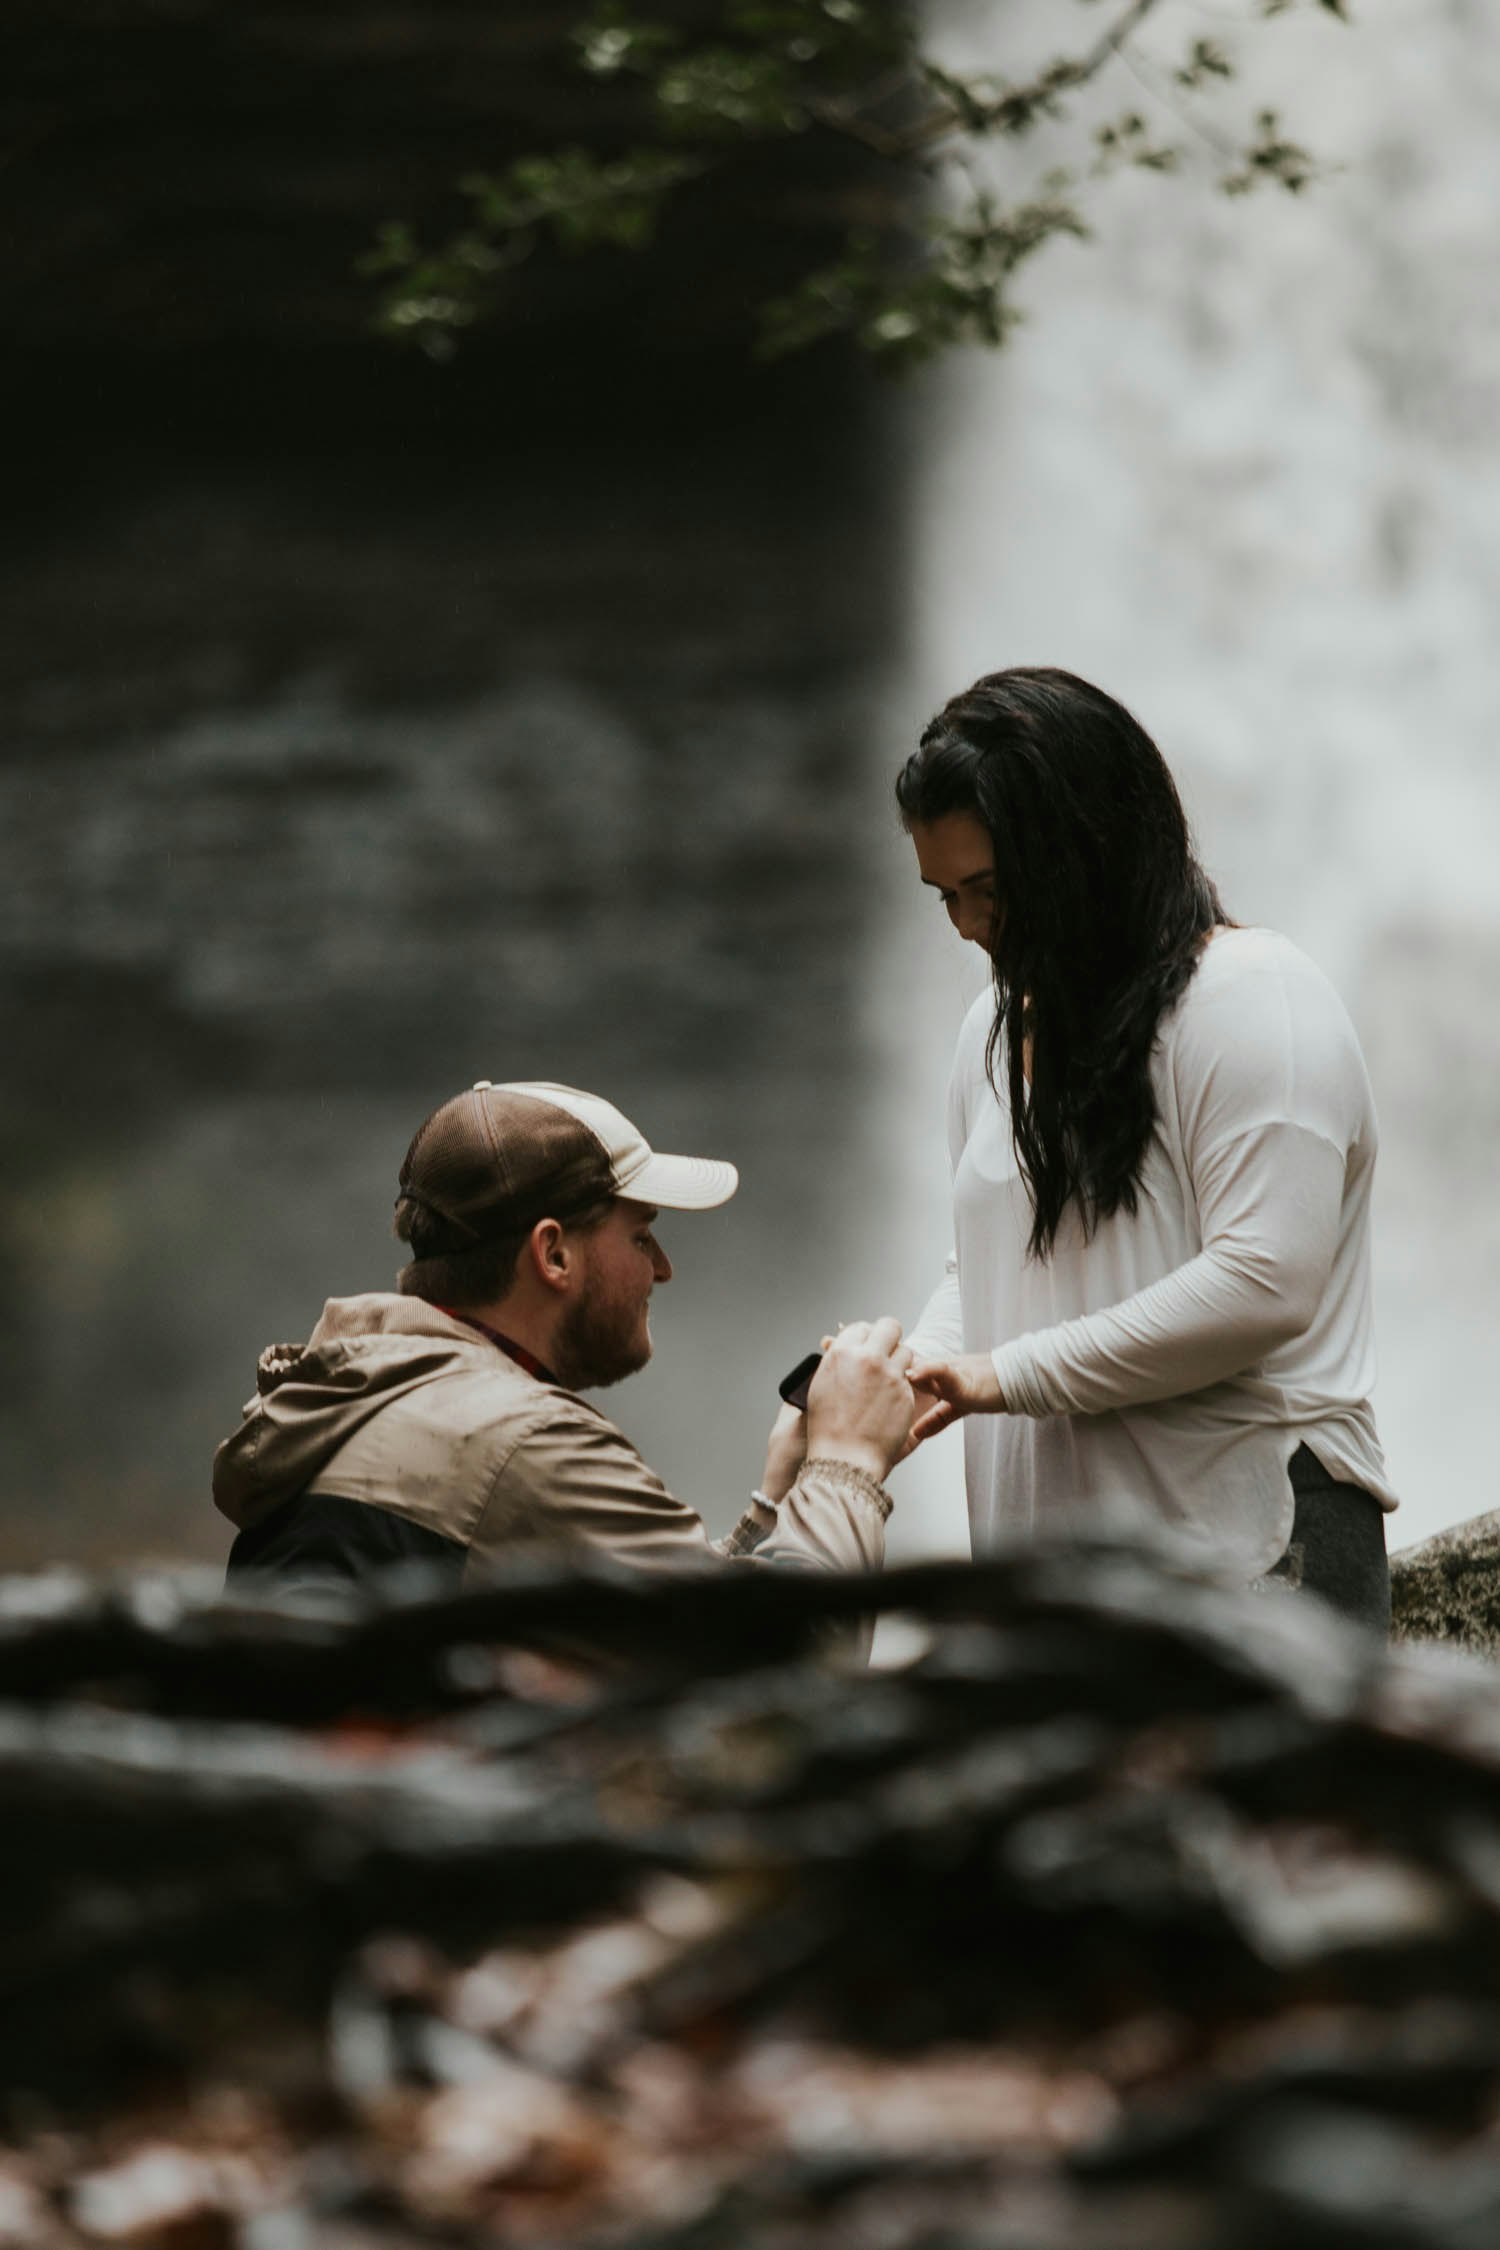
(320, 1539)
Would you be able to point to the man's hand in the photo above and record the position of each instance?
(860, 1405)
(786, 1450)
(967, 1385)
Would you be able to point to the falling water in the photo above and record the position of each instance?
(1242, 467)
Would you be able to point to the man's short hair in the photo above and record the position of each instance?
(479, 1274)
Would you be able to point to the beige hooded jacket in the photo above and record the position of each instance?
(396, 1405)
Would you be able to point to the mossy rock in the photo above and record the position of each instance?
(1447, 1588)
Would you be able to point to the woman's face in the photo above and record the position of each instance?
(956, 859)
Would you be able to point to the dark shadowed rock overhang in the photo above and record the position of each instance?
(199, 178)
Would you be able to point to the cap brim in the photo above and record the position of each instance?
(681, 1183)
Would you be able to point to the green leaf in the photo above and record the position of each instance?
(393, 250)
(903, 314)
(1206, 59)
(1127, 140)
(1271, 157)
(612, 42)
(769, 70)
(719, 90)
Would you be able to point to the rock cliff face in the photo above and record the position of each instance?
(372, 726)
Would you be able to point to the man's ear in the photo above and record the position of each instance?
(551, 1257)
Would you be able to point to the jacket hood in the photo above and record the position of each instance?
(311, 1398)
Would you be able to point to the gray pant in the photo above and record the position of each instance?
(1337, 1547)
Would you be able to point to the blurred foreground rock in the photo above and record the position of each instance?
(1447, 1588)
(1129, 1914)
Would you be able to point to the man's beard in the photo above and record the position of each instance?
(599, 1344)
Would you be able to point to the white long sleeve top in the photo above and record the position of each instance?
(1171, 1365)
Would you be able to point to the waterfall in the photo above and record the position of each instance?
(1241, 467)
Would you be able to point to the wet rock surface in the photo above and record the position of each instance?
(333, 787)
(1127, 1913)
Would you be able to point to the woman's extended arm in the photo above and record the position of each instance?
(1269, 1236)
(1256, 1283)
(1267, 1118)
(939, 1329)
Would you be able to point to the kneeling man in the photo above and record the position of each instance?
(444, 1422)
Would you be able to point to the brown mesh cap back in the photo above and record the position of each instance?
(493, 1161)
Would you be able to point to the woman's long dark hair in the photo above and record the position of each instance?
(1101, 911)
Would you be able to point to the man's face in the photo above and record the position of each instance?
(606, 1333)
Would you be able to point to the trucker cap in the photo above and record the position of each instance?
(496, 1159)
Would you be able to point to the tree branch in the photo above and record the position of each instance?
(942, 124)
(1226, 151)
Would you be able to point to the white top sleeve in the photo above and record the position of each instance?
(1268, 1082)
(939, 1330)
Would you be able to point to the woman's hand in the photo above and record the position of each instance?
(967, 1385)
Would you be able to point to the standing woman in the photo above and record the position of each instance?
(1162, 1139)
